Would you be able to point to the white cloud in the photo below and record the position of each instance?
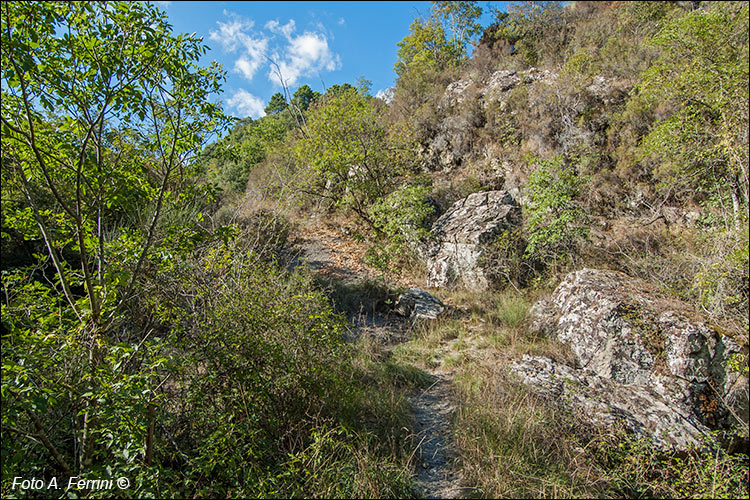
(281, 29)
(247, 104)
(253, 58)
(295, 55)
(235, 34)
(246, 66)
(164, 4)
(342, 21)
(304, 55)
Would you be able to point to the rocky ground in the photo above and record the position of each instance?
(436, 472)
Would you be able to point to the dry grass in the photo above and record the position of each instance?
(509, 443)
(512, 445)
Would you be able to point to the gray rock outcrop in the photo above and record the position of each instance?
(416, 303)
(498, 84)
(602, 401)
(463, 108)
(643, 358)
(462, 233)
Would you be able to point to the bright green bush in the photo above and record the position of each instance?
(555, 221)
(103, 107)
(47, 380)
(348, 154)
(230, 161)
(702, 73)
(403, 216)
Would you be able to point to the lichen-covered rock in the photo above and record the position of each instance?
(416, 303)
(543, 316)
(462, 234)
(501, 81)
(602, 401)
(455, 93)
(623, 331)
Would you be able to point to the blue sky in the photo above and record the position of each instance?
(313, 43)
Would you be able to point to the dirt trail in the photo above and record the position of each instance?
(333, 257)
(330, 254)
(436, 473)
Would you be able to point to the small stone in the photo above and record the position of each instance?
(416, 303)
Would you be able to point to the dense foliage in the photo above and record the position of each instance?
(702, 72)
(96, 139)
(154, 326)
(352, 158)
(140, 339)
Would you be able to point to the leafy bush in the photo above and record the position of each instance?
(404, 217)
(254, 343)
(99, 128)
(555, 222)
(634, 467)
(702, 72)
(721, 285)
(230, 161)
(48, 381)
(348, 155)
(263, 348)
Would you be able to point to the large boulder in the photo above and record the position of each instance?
(602, 401)
(461, 236)
(642, 357)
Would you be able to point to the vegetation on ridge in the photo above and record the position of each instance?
(155, 323)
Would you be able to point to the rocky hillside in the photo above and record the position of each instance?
(524, 273)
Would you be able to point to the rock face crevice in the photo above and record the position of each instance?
(642, 357)
(462, 234)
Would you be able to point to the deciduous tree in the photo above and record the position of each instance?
(103, 108)
(702, 73)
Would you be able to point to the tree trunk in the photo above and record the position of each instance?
(736, 205)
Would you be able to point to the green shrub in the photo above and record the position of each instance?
(256, 346)
(702, 73)
(348, 154)
(555, 221)
(268, 399)
(505, 259)
(403, 217)
(634, 467)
